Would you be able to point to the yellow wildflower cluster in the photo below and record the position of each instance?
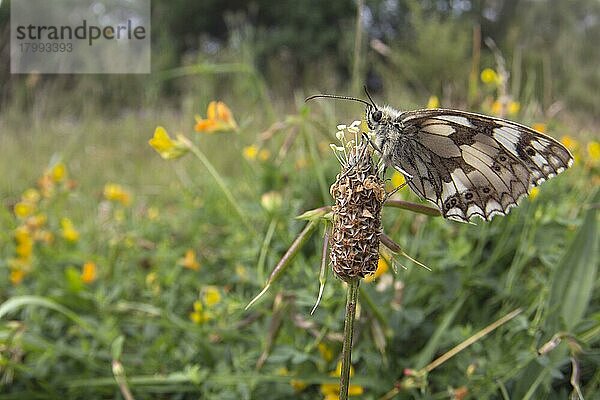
(202, 309)
(510, 108)
(30, 212)
(433, 102)
(167, 147)
(218, 119)
(89, 272)
(69, 233)
(490, 77)
(116, 193)
(588, 153)
(503, 105)
(32, 229)
(253, 152)
(331, 391)
(325, 351)
(297, 384)
(53, 178)
(190, 261)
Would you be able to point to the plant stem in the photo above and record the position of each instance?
(217, 177)
(356, 60)
(351, 301)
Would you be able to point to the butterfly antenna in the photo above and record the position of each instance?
(369, 96)
(334, 96)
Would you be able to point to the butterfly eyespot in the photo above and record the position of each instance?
(502, 157)
(377, 115)
(451, 202)
(485, 190)
(530, 151)
(497, 168)
(468, 195)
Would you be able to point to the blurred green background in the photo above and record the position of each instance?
(125, 275)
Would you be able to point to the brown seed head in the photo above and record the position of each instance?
(359, 193)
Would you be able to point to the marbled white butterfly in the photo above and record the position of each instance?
(467, 164)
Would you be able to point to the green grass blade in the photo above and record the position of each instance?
(575, 275)
(426, 355)
(15, 303)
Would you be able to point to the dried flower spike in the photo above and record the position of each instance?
(359, 193)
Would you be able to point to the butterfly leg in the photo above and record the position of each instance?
(390, 194)
(367, 138)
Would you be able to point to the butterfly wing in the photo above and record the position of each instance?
(474, 165)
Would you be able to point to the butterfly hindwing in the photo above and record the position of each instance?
(473, 165)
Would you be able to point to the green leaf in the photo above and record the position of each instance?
(15, 303)
(116, 348)
(426, 355)
(575, 275)
(73, 278)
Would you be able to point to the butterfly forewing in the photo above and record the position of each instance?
(473, 165)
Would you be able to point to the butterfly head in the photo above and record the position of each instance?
(374, 116)
(384, 123)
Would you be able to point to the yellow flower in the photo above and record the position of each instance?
(264, 154)
(433, 102)
(533, 193)
(31, 195)
(490, 77)
(167, 147)
(397, 179)
(24, 209)
(297, 384)
(16, 276)
(58, 172)
(190, 261)
(540, 127)
(496, 108)
(241, 272)
(44, 236)
(199, 316)
(514, 107)
(471, 369)
(46, 185)
(88, 273)
(24, 247)
(382, 268)
(153, 213)
(569, 142)
(325, 351)
(211, 296)
(250, 152)
(152, 283)
(593, 149)
(68, 230)
(332, 390)
(218, 119)
(115, 192)
(36, 221)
